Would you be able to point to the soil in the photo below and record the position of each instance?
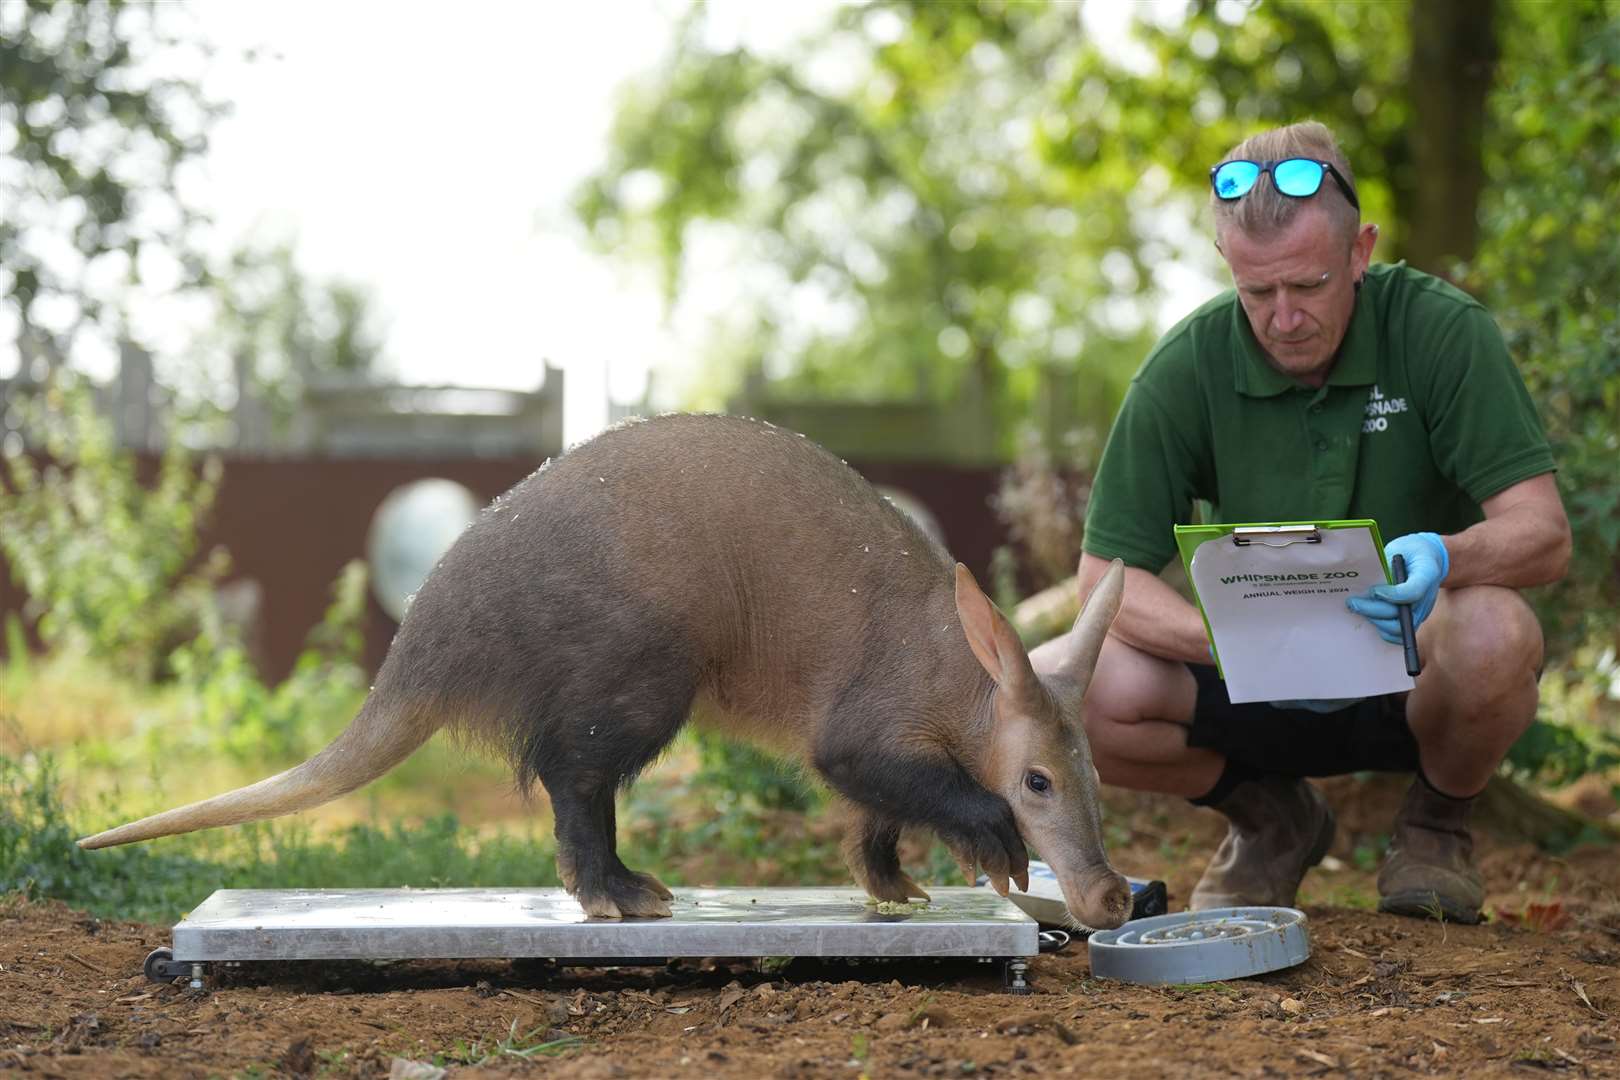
(1535, 989)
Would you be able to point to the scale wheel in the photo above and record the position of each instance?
(160, 966)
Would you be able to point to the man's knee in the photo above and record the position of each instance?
(1485, 654)
(1488, 635)
(1129, 686)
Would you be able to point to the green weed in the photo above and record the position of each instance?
(1209, 988)
(728, 765)
(703, 829)
(1368, 853)
(1350, 897)
(941, 867)
(333, 1062)
(1175, 852)
(513, 1045)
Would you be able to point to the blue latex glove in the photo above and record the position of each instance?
(1427, 564)
(1319, 705)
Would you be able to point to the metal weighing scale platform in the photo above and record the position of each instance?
(236, 925)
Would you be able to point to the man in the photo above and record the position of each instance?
(1323, 387)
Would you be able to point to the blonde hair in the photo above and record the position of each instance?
(1265, 211)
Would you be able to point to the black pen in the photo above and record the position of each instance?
(1414, 665)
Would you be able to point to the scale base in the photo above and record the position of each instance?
(235, 925)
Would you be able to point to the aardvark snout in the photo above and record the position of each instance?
(1100, 898)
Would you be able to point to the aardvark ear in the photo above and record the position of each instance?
(992, 637)
(1086, 637)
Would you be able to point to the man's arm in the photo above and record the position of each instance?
(1153, 617)
(1523, 541)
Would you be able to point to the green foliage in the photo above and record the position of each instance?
(1547, 268)
(1227, 71)
(252, 722)
(1369, 852)
(109, 558)
(523, 1047)
(281, 330)
(39, 858)
(112, 563)
(1557, 754)
(95, 131)
(718, 827)
(159, 881)
(735, 772)
(979, 198)
(898, 199)
(18, 667)
(1549, 271)
(941, 868)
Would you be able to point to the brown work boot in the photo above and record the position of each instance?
(1429, 872)
(1280, 828)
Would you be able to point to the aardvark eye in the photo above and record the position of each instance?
(1038, 782)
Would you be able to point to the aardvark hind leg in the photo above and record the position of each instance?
(590, 866)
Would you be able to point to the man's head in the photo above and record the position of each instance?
(1296, 261)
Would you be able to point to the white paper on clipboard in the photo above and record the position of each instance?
(1276, 612)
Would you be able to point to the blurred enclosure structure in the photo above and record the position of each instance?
(340, 415)
(297, 498)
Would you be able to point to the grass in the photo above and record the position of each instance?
(1351, 897)
(668, 831)
(160, 881)
(1369, 853)
(127, 750)
(81, 750)
(1221, 988)
(512, 1045)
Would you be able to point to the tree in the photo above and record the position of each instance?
(899, 199)
(979, 195)
(280, 329)
(1548, 268)
(95, 140)
(1402, 85)
(1454, 61)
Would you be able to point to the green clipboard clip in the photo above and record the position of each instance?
(1189, 538)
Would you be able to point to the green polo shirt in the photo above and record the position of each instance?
(1423, 417)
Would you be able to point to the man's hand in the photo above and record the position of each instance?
(1427, 564)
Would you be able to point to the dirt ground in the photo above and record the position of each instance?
(1536, 989)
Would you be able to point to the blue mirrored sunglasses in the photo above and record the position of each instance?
(1298, 178)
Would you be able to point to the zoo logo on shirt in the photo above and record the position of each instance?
(1379, 410)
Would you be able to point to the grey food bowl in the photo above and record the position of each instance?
(1202, 946)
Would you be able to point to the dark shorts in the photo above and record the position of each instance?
(1369, 736)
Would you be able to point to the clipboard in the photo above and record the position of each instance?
(1272, 595)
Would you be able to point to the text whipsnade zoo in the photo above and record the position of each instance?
(1274, 579)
